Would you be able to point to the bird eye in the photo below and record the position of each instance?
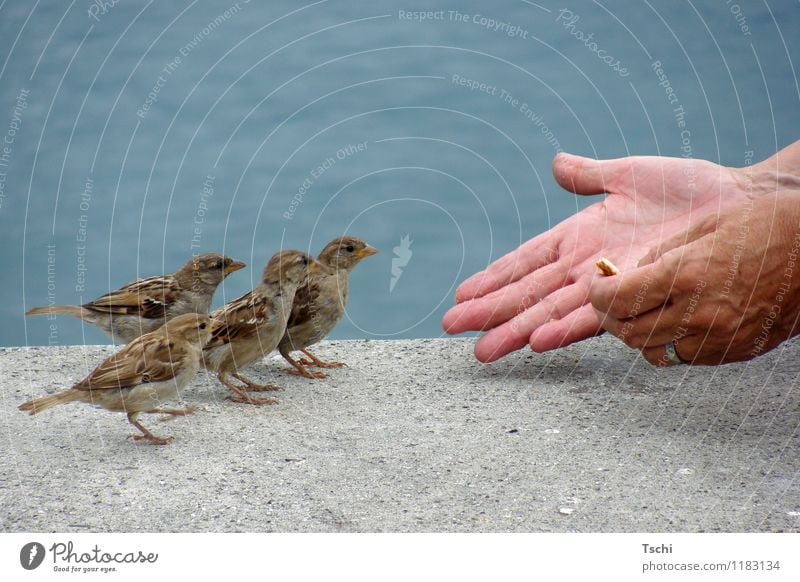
(203, 326)
(350, 248)
(305, 260)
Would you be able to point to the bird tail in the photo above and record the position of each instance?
(74, 310)
(45, 402)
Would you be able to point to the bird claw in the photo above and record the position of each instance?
(252, 386)
(321, 364)
(307, 374)
(151, 438)
(251, 400)
(263, 388)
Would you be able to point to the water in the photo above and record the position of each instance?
(145, 132)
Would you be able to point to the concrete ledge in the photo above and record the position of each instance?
(418, 436)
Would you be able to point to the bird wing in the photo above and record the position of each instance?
(240, 318)
(149, 298)
(305, 301)
(147, 359)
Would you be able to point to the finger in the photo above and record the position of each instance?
(536, 253)
(515, 333)
(501, 305)
(686, 349)
(589, 176)
(653, 329)
(708, 348)
(635, 291)
(699, 229)
(578, 325)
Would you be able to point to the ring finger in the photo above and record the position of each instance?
(685, 349)
(652, 329)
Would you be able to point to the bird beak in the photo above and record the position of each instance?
(234, 266)
(312, 267)
(215, 325)
(367, 251)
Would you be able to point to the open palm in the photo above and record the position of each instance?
(538, 294)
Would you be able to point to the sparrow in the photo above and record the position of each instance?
(250, 327)
(320, 303)
(137, 378)
(144, 305)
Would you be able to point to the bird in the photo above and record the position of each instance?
(152, 368)
(320, 303)
(251, 326)
(144, 305)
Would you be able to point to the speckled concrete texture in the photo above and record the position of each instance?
(417, 436)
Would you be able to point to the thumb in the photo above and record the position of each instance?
(587, 175)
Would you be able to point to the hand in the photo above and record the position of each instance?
(538, 294)
(725, 291)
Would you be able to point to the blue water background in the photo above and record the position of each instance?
(265, 95)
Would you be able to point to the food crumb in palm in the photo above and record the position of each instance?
(607, 267)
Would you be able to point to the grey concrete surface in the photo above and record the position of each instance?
(418, 436)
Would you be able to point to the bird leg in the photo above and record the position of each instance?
(315, 361)
(241, 395)
(146, 434)
(173, 412)
(300, 369)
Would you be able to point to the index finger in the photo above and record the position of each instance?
(537, 252)
(633, 292)
(699, 229)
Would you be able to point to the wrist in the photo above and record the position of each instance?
(787, 216)
(759, 180)
(777, 173)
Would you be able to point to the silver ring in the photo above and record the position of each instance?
(672, 354)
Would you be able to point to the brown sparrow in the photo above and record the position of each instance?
(250, 327)
(320, 303)
(144, 305)
(137, 378)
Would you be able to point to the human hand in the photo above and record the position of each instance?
(538, 294)
(727, 290)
